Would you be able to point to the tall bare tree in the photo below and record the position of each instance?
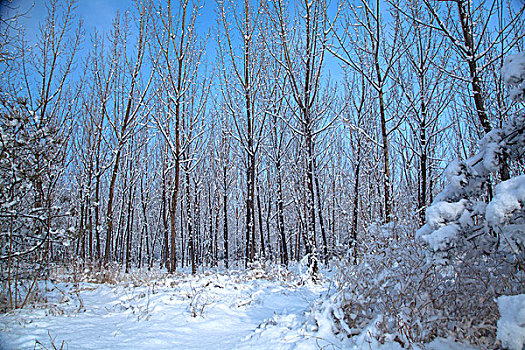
(303, 44)
(241, 80)
(176, 36)
(129, 98)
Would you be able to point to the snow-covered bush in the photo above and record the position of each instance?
(467, 215)
(31, 218)
(409, 299)
(464, 212)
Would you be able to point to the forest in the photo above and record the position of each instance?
(369, 151)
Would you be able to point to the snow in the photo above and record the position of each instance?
(447, 344)
(455, 173)
(493, 153)
(441, 212)
(440, 231)
(220, 311)
(514, 69)
(514, 75)
(511, 325)
(460, 208)
(509, 198)
(252, 309)
(442, 237)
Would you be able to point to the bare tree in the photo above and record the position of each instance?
(240, 91)
(426, 93)
(124, 73)
(303, 45)
(370, 38)
(225, 163)
(176, 37)
(473, 40)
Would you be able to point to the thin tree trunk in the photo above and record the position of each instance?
(173, 214)
(109, 213)
(259, 208)
(423, 167)
(182, 240)
(355, 212)
(268, 218)
(97, 213)
(164, 215)
(321, 221)
(129, 228)
(189, 224)
(310, 241)
(384, 148)
(474, 74)
(280, 216)
(216, 234)
(225, 218)
(82, 225)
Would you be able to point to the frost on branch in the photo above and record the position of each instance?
(460, 213)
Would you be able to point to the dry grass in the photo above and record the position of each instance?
(112, 274)
(52, 346)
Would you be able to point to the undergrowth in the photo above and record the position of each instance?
(409, 297)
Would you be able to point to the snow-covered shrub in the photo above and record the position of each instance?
(467, 215)
(31, 216)
(409, 299)
(80, 271)
(464, 212)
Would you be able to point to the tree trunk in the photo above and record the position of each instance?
(216, 233)
(280, 216)
(471, 60)
(173, 214)
(109, 214)
(321, 221)
(164, 214)
(268, 218)
(97, 213)
(189, 224)
(225, 218)
(355, 212)
(310, 241)
(384, 137)
(259, 208)
(129, 228)
(423, 170)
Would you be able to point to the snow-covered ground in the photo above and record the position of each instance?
(252, 309)
(207, 311)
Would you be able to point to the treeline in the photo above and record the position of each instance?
(158, 142)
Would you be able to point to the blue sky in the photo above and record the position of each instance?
(95, 13)
(98, 14)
